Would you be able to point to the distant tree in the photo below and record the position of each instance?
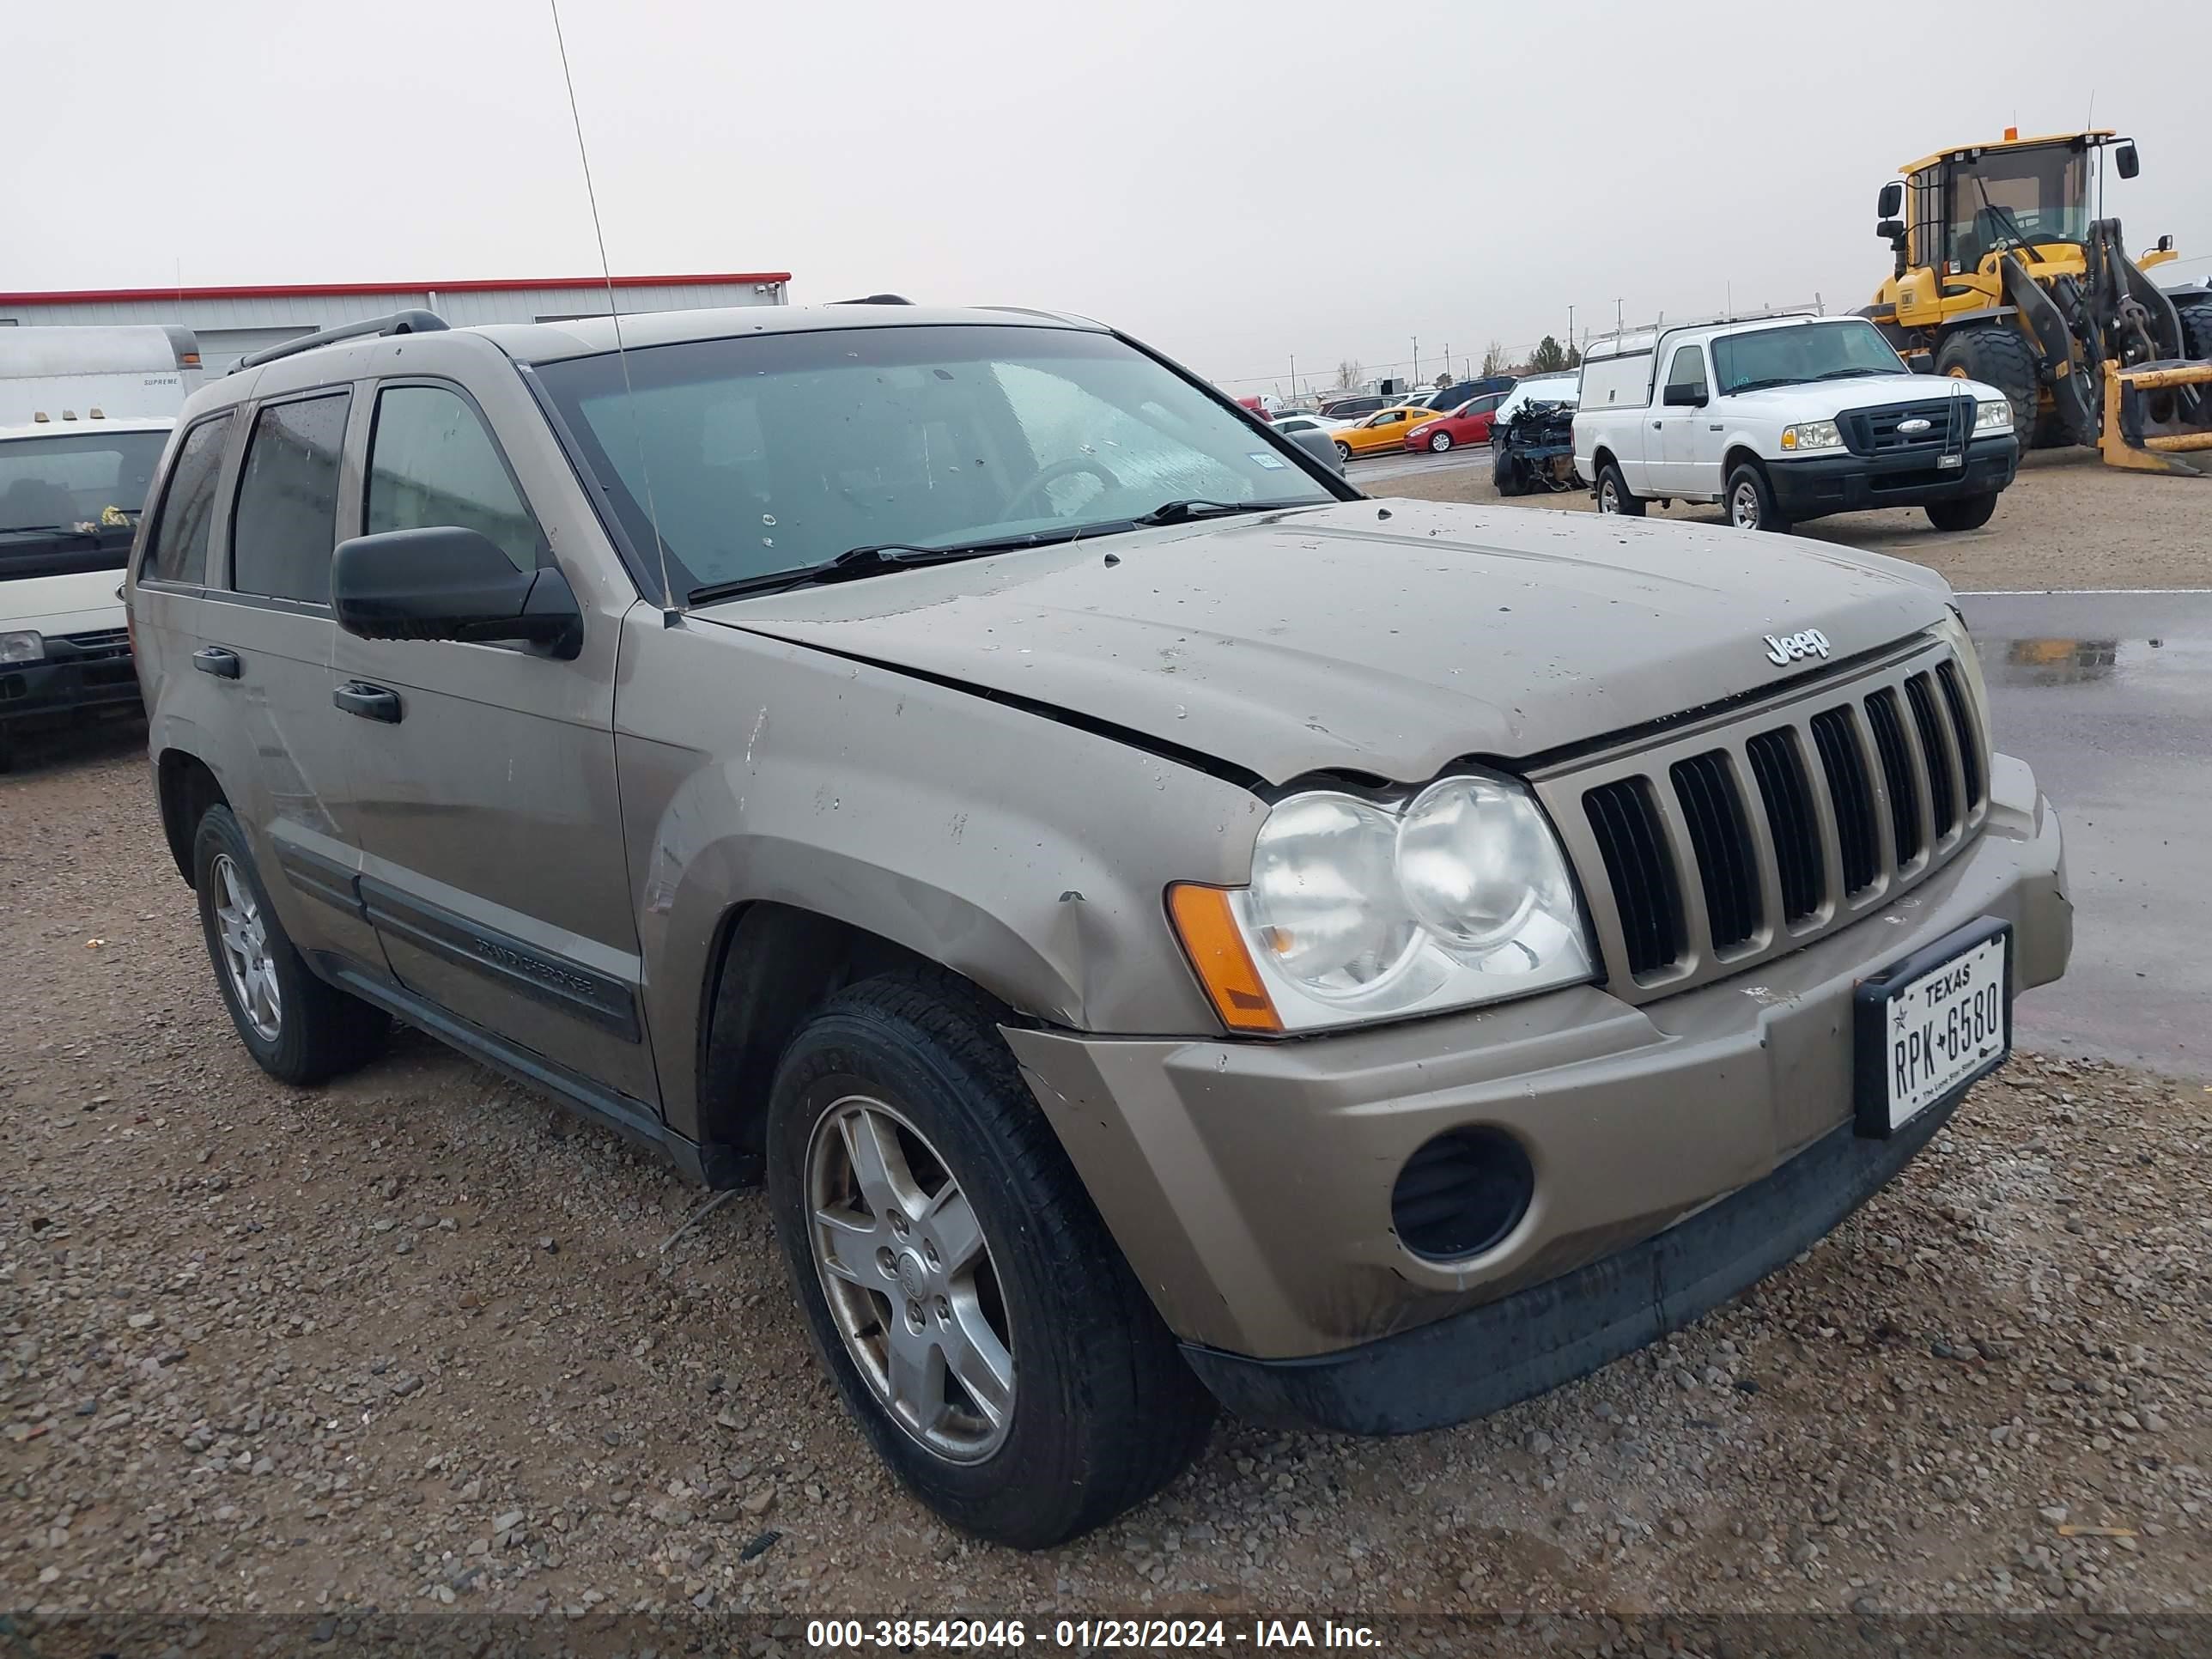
(1550, 355)
(1347, 375)
(1493, 360)
(1441, 381)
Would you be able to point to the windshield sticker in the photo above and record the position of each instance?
(1273, 463)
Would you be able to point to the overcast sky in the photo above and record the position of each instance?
(1234, 182)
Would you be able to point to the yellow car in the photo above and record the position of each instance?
(1386, 428)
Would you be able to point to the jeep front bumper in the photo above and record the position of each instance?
(1249, 1183)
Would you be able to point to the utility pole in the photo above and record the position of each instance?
(1294, 377)
(1570, 327)
(1619, 326)
(1447, 360)
(1416, 358)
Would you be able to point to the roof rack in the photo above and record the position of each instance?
(1609, 344)
(399, 322)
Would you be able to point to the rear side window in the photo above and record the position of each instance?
(179, 549)
(431, 462)
(285, 523)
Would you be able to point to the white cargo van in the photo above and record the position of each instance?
(84, 416)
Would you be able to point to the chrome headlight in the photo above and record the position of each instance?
(28, 645)
(1994, 417)
(1360, 910)
(1812, 435)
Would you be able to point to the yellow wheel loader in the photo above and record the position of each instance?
(2005, 274)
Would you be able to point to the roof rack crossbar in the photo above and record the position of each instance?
(399, 322)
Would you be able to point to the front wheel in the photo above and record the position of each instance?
(1751, 501)
(1613, 494)
(1440, 442)
(1966, 513)
(959, 1284)
(1505, 473)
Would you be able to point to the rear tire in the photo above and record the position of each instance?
(1995, 356)
(1092, 1410)
(2196, 313)
(1965, 513)
(1750, 501)
(1613, 494)
(1440, 442)
(299, 1029)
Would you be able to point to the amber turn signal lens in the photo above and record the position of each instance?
(1215, 944)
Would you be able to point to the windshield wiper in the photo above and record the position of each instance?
(875, 558)
(1197, 506)
(51, 529)
(1761, 385)
(1851, 374)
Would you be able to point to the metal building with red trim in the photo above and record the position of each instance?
(230, 322)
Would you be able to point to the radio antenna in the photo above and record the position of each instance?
(669, 613)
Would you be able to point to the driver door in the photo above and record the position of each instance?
(1684, 467)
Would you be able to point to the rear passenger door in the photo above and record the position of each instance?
(265, 650)
(494, 867)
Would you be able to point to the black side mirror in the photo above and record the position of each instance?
(1891, 230)
(1684, 397)
(1924, 363)
(448, 583)
(2127, 160)
(1892, 199)
(1319, 445)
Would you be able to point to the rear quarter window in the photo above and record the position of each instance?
(179, 548)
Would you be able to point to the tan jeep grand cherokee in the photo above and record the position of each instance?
(1165, 928)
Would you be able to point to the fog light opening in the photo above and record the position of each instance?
(1461, 1194)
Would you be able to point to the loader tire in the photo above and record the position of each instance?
(1995, 356)
(2196, 313)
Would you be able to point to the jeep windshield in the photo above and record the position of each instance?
(1801, 352)
(68, 502)
(771, 452)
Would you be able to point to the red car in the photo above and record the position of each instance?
(1468, 424)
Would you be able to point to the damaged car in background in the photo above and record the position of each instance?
(1167, 930)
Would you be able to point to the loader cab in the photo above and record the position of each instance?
(1963, 205)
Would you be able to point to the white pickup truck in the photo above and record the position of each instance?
(1786, 419)
(84, 416)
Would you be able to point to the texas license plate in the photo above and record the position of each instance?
(1930, 1025)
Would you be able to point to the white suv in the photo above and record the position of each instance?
(1786, 419)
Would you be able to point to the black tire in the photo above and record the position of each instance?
(1749, 501)
(319, 1030)
(1343, 450)
(1964, 512)
(1613, 493)
(1104, 1411)
(1439, 442)
(2196, 313)
(1506, 472)
(1996, 356)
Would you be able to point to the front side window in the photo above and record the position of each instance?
(767, 452)
(284, 523)
(1794, 356)
(1688, 369)
(432, 463)
(179, 549)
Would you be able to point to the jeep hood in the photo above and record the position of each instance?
(1386, 639)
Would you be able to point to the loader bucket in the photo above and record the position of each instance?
(2157, 413)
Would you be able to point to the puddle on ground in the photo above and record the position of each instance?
(2048, 662)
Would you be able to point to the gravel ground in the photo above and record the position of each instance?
(2068, 521)
(419, 1340)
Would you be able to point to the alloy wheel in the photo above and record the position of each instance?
(1608, 495)
(244, 934)
(1743, 507)
(909, 1281)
